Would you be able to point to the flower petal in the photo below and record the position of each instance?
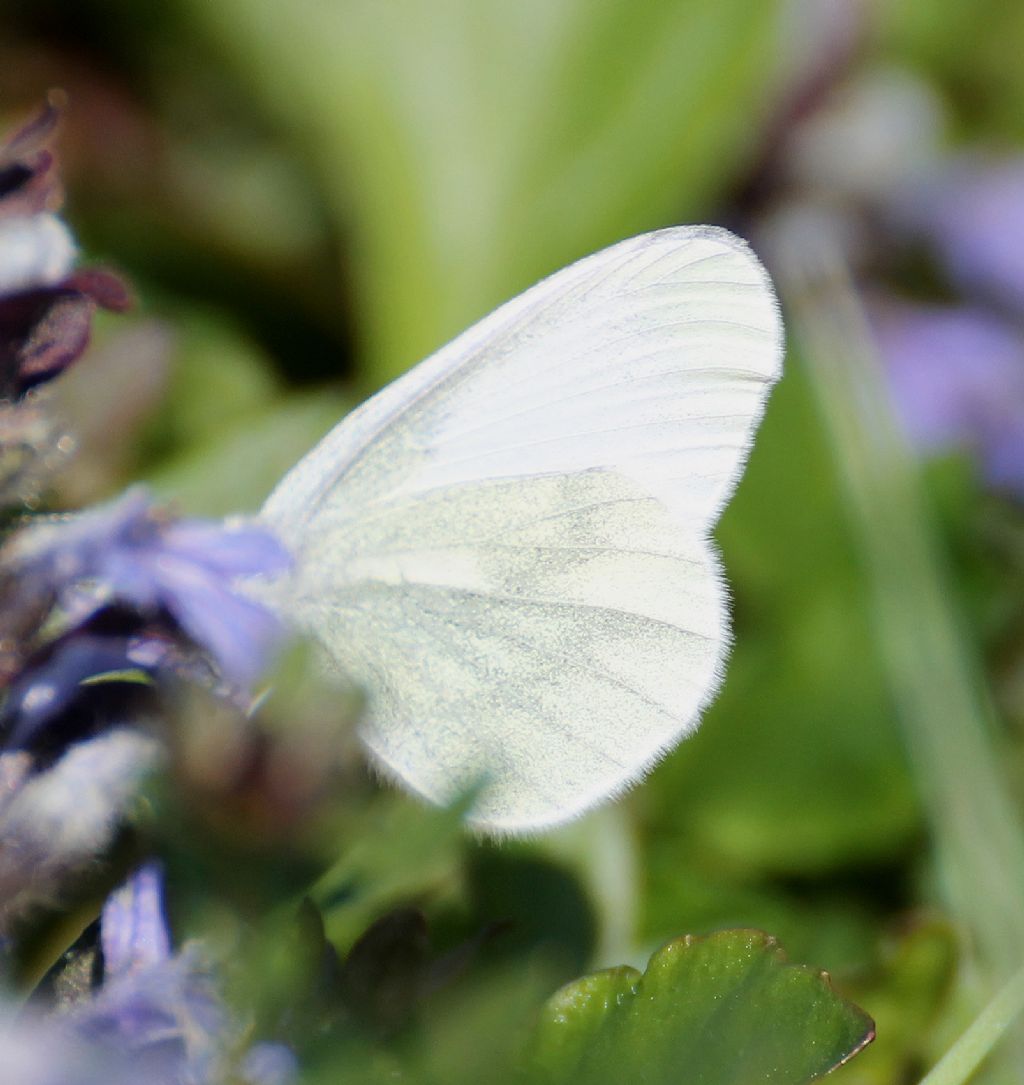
(133, 931)
(35, 250)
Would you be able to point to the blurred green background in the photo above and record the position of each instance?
(308, 197)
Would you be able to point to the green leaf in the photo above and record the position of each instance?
(384, 972)
(236, 470)
(723, 1010)
(396, 851)
(470, 146)
(544, 905)
(218, 377)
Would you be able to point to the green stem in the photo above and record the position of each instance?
(966, 1055)
(935, 681)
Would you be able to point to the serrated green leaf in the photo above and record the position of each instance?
(724, 1010)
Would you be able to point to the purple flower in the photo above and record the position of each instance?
(46, 321)
(28, 177)
(35, 251)
(957, 378)
(41, 1052)
(167, 1015)
(164, 1010)
(51, 683)
(54, 823)
(134, 933)
(156, 1017)
(974, 214)
(269, 1064)
(46, 311)
(129, 554)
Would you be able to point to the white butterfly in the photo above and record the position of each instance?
(509, 547)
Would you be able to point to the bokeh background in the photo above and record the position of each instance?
(309, 197)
